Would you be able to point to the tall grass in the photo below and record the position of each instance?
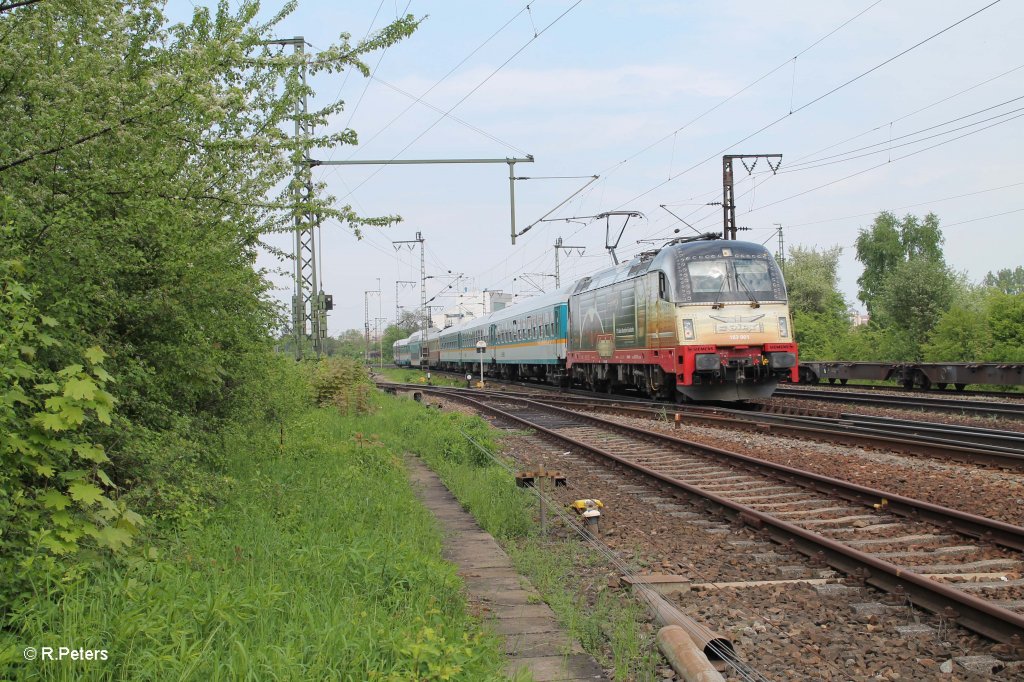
(320, 565)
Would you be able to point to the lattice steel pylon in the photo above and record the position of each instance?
(309, 313)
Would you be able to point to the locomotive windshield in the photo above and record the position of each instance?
(728, 278)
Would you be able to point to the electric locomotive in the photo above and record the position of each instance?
(704, 319)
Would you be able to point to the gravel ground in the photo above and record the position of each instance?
(792, 631)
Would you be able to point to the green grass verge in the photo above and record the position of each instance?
(416, 376)
(608, 625)
(319, 565)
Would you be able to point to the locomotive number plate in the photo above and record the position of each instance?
(730, 327)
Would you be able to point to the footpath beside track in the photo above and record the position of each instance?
(941, 559)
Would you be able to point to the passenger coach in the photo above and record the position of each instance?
(527, 340)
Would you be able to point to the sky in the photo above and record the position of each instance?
(870, 109)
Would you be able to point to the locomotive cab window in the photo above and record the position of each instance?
(662, 286)
(738, 278)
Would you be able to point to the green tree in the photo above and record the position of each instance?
(140, 164)
(1006, 322)
(812, 280)
(350, 344)
(1006, 280)
(819, 309)
(143, 161)
(906, 284)
(961, 335)
(914, 297)
(889, 242)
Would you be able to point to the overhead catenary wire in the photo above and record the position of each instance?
(861, 172)
(899, 208)
(611, 169)
(852, 153)
(471, 92)
(908, 115)
(802, 107)
(713, 214)
(885, 163)
(875, 167)
(718, 192)
(444, 77)
(812, 102)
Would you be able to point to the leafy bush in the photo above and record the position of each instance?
(55, 496)
(345, 384)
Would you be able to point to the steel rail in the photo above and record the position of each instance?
(824, 429)
(838, 387)
(1008, 410)
(977, 614)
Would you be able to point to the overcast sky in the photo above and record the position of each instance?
(649, 94)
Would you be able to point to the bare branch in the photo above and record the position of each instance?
(15, 5)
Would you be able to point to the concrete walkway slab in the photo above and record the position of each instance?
(533, 639)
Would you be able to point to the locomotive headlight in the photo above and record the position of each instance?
(782, 360)
(688, 330)
(783, 327)
(705, 361)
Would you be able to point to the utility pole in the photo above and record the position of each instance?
(423, 286)
(728, 193)
(309, 304)
(782, 248)
(401, 283)
(366, 320)
(568, 250)
(380, 339)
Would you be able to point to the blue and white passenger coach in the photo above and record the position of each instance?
(526, 340)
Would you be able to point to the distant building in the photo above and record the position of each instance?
(857, 318)
(470, 304)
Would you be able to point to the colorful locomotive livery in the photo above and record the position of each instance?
(698, 320)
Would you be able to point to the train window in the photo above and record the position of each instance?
(753, 274)
(708, 276)
(662, 286)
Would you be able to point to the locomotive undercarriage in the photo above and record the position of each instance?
(648, 380)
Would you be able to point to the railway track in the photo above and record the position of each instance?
(949, 562)
(956, 442)
(840, 387)
(972, 445)
(948, 405)
(914, 400)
